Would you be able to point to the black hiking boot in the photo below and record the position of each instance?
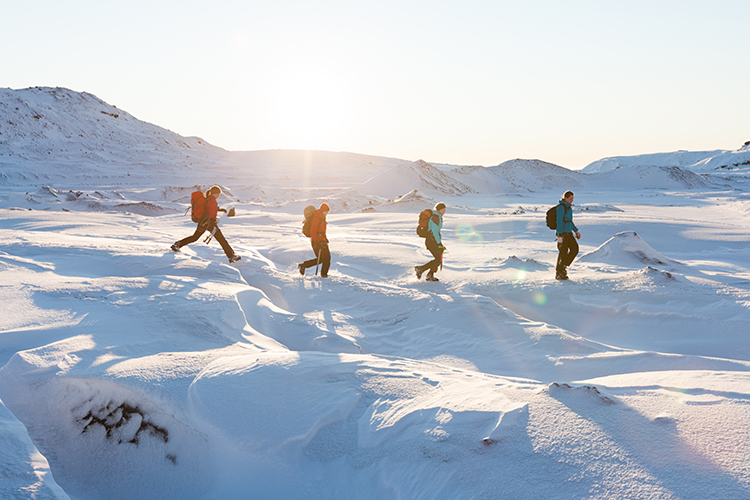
(561, 273)
(301, 269)
(234, 258)
(431, 277)
(175, 247)
(419, 271)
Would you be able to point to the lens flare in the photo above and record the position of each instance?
(539, 298)
(521, 275)
(465, 232)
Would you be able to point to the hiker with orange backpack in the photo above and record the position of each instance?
(430, 230)
(205, 210)
(317, 233)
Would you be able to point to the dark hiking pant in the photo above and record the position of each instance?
(322, 257)
(436, 252)
(217, 235)
(568, 251)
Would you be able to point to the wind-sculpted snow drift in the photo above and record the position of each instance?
(627, 248)
(130, 371)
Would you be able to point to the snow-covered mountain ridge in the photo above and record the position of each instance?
(71, 140)
(718, 161)
(60, 127)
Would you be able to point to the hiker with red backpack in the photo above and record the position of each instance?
(317, 224)
(430, 224)
(205, 210)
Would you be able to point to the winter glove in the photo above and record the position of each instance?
(559, 240)
(578, 235)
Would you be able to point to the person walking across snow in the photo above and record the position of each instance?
(567, 233)
(319, 242)
(434, 243)
(209, 209)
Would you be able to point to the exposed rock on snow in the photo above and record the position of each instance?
(656, 275)
(625, 249)
(99, 436)
(514, 262)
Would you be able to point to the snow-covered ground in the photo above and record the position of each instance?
(130, 371)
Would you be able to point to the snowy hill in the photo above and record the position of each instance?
(538, 175)
(718, 161)
(46, 133)
(418, 175)
(641, 176)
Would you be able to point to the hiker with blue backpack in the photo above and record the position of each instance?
(566, 234)
(205, 210)
(430, 224)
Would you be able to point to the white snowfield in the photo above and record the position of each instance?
(130, 371)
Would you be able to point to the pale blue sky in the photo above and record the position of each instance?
(464, 82)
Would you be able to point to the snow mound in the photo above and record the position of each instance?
(98, 435)
(23, 468)
(514, 262)
(411, 201)
(377, 418)
(626, 248)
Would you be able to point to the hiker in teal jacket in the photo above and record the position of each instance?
(567, 233)
(434, 244)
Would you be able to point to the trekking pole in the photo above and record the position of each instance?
(209, 237)
(320, 250)
(213, 232)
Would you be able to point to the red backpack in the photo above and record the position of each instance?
(198, 204)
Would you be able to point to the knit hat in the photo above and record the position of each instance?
(439, 206)
(324, 207)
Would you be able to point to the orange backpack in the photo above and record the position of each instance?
(198, 204)
(424, 220)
